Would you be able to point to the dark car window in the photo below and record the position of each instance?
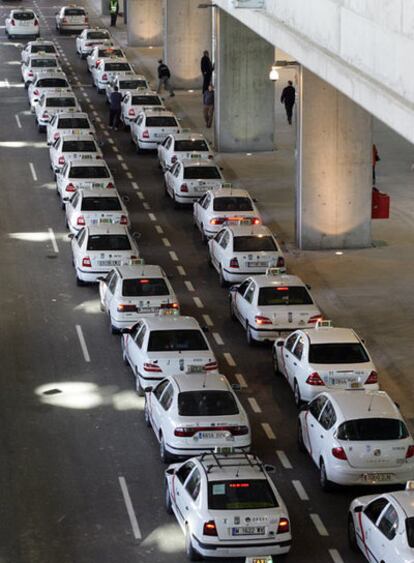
(101, 204)
(73, 123)
(251, 243)
(232, 204)
(132, 84)
(388, 524)
(108, 242)
(110, 52)
(158, 391)
(44, 63)
(188, 145)
(89, 172)
(201, 173)
(23, 16)
(144, 287)
(74, 12)
(184, 471)
(78, 146)
(317, 405)
(117, 66)
(337, 353)
(372, 429)
(328, 417)
(146, 101)
(409, 526)
(374, 508)
(52, 83)
(194, 484)
(284, 295)
(98, 35)
(43, 49)
(161, 121)
(247, 494)
(207, 403)
(60, 102)
(176, 340)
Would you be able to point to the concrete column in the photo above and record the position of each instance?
(105, 7)
(334, 174)
(187, 33)
(244, 116)
(145, 23)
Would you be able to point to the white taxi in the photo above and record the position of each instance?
(107, 69)
(324, 356)
(53, 102)
(227, 506)
(39, 46)
(131, 292)
(98, 249)
(73, 147)
(151, 127)
(101, 52)
(125, 84)
(356, 437)
(381, 526)
(225, 205)
(239, 251)
(85, 174)
(86, 41)
(273, 303)
(193, 414)
(189, 179)
(157, 347)
(181, 146)
(46, 81)
(63, 124)
(95, 207)
(36, 63)
(133, 102)
(71, 18)
(22, 22)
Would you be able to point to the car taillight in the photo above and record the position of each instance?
(56, 135)
(30, 73)
(98, 62)
(87, 44)
(217, 220)
(314, 379)
(234, 263)
(145, 134)
(13, 22)
(134, 257)
(410, 452)
(372, 378)
(210, 157)
(153, 368)
(283, 526)
(131, 112)
(169, 306)
(256, 221)
(210, 366)
(315, 319)
(183, 188)
(70, 188)
(339, 453)
(80, 221)
(36, 22)
(259, 320)
(45, 115)
(86, 262)
(280, 262)
(183, 432)
(239, 430)
(126, 308)
(36, 92)
(174, 158)
(124, 220)
(86, 19)
(61, 160)
(104, 76)
(209, 528)
(64, 20)
(110, 185)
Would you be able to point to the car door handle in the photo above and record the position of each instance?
(186, 507)
(295, 364)
(321, 436)
(311, 425)
(177, 493)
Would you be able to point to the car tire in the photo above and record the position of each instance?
(300, 442)
(203, 236)
(209, 260)
(167, 499)
(232, 313)
(250, 340)
(175, 202)
(79, 282)
(41, 128)
(164, 455)
(352, 541)
(275, 363)
(124, 356)
(190, 550)
(296, 394)
(222, 280)
(27, 84)
(166, 189)
(102, 308)
(114, 329)
(138, 388)
(147, 418)
(324, 482)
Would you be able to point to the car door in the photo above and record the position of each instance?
(238, 297)
(312, 426)
(322, 443)
(384, 543)
(190, 497)
(110, 293)
(287, 356)
(169, 175)
(299, 362)
(103, 288)
(160, 410)
(367, 520)
(202, 205)
(133, 345)
(214, 245)
(77, 245)
(245, 303)
(294, 359)
(177, 489)
(163, 149)
(153, 402)
(222, 250)
(176, 176)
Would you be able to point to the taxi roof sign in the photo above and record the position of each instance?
(409, 485)
(323, 323)
(275, 271)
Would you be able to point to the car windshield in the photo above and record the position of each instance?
(110, 53)
(176, 340)
(23, 16)
(78, 146)
(201, 173)
(232, 204)
(248, 494)
(144, 287)
(338, 353)
(132, 84)
(73, 123)
(161, 121)
(52, 83)
(98, 35)
(146, 101)
(43, 49)
(108, 242)
(284, 295)
(44, 63)
(100, 204)
(409, 526)
(252, 243)
(89, 172)
(372, 429)
(187, 145)
(60, 102)
(207, 403)
(74, 12)
(117, 66)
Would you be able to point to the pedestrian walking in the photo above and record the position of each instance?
(375, 159)
(113, 10)
(164, 76)
(207, 68)
(288, 98)
(208, 102)
(115, 108)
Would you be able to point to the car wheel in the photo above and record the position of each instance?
(324, 482)
(164, 455)
(209, 260)
(27, 84)
(41, 128)
(250, 340)
(138, 388)
(232, 314)
(79, 282)
(223, 282)
(147, 416)
(203, 236)
(176, 204)
(190, 550)
(114, 329)
(62, 204)
(353, 544)
(167, 499)
(300, 442)
(296, 394)
(124, 356)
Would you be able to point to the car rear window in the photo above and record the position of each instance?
(251, 243)
(248, 494)
(60, 102)
(132, 84)
(110, 53)
(117, 66)
(74, 12)
(161, 121)
(367, 429)
(52, 83)
(79, 146)
(207, 403)
(100, 204)
(73, 123)
(146, 101)
(176, 340)
(98, 35)
(23, 16)
(44, 63)
(409, 526)
(232, 204)
(89, 172)
(187, 145)
(108, 242)
(283, 295)
(43, 49)
(144, 287)
(201, 173)
(337, 353)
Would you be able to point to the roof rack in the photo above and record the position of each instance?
(241, 459)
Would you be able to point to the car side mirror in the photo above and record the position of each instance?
(205, 329)
(358, 509)
(397, 405)
(236, 386)
(137, 236)
(269, 468)
(101, 279)
(234, 287)
(254, 200)
(170, 471)
(147, 389)
(71, 235)
(125, 198)
(280, 343)
(126, 330)
(304, 408)
(308, 286)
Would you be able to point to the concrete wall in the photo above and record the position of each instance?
(145, 23)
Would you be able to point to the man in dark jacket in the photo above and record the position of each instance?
(207, 68)
(164, 76)
(115, 108)
(208, 105)
(288, 98)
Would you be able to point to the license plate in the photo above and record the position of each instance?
(248, 531)
(83, 156)
(211, 435)
(198, 189)
(256, 264)
(147, 309)
(195, 369)
(109, 262)
(105, 220)
(379, 477)
(341, 380)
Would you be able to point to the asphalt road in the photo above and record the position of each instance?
(65, 454)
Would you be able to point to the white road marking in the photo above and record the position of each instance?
(146, 205)
(106, 133)
(159, 229)
(166, 242)
(33, 171)
(189, 285)
(135, 185)
(83, 343)
(19, 125)
(336, 556)
(319, 525)
(283, 458)
(111, 141)
(129, 176)
(141, 196)
(198, 302)
(229, 359)
(240, 379)
(53, 240)
(124, 166)
(302, 494)
(254, 405)
(207, 319)
(173, 255)
(152, 217)
(268, 431)
(98, 120)
(120, 157)
(94, 112)
(218, 339)
(181, 271)
(130, 509)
